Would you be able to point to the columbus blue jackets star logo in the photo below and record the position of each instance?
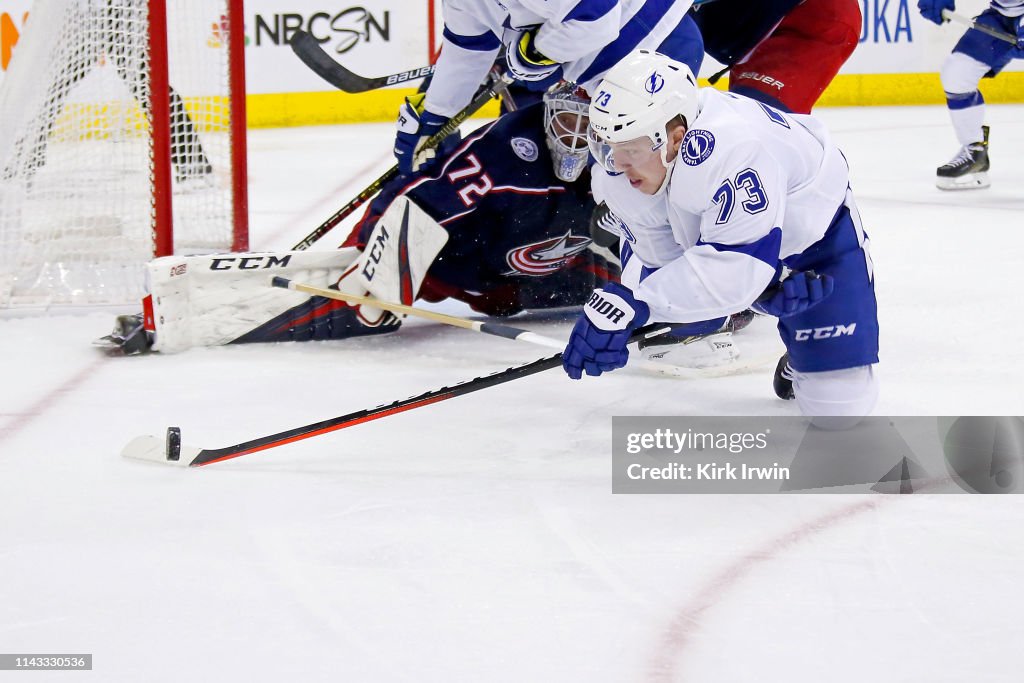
(545, 257)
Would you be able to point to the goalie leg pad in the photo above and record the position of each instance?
(318, 319)
(222, 298)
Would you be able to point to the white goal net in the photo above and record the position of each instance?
(115, 148)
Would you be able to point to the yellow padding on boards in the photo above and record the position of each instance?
(317, 108)
(125, 116)
(876, 90)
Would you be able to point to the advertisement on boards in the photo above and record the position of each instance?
(896, 61)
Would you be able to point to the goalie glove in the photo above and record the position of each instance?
(399, 251)
(525, 62)
(416, 125)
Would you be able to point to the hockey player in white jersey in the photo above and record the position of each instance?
(717, 197)
(976, 55)
(582, 38)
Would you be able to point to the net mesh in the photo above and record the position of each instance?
(76, 178)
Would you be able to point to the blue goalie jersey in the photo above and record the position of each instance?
(518, 236)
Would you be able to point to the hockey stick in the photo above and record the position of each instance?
(170, 450)
(967, 21)
(519, 334)
(495, 329)
(494, 88)
(308, 49)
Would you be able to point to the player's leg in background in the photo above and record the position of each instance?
(977, 55)
(187, 153)
(792, 66)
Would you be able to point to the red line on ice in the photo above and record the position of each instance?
(679, 634)
(24, 418)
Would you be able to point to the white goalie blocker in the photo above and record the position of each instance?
(214, 299)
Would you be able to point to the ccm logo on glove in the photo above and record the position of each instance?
(608, 311)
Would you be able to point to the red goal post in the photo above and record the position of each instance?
(124, 138)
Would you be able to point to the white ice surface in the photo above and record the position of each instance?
(477, 539)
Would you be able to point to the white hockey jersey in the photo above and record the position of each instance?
(587, 37)
(751, 186)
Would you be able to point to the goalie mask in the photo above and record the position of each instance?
(565, 129)
(634, 104)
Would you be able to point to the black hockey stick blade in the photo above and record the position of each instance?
(170, 450)
(308, 49)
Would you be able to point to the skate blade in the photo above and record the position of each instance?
(974, 181)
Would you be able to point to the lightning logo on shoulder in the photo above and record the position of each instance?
(697, 146)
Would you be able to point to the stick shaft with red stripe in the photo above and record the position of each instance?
(170, 451)
(205, 457)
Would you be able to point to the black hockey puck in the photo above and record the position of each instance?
(173, 443)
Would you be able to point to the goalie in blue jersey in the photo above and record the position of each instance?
(500, 222)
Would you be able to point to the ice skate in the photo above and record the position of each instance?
(129, 337)
(782, 382)
(968, 170)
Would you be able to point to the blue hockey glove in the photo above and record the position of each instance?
(797, 293)
(598, 341)
(1020, 38)
(415, 127)
(932, 9)
(525, 63)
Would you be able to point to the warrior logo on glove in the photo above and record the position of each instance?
(608, 311)
(598, 340)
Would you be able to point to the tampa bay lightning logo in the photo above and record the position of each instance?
(697, 146)
(655, 82)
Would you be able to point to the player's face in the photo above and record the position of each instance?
(570, 129)
(640, 161)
